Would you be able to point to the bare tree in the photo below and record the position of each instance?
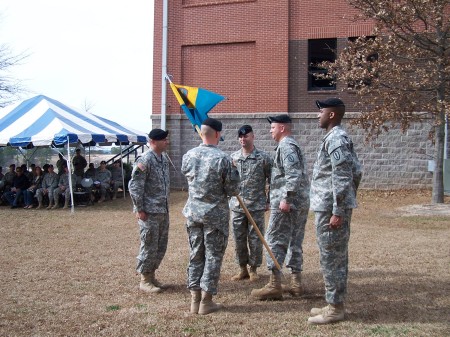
(10, 88)
(401, 74)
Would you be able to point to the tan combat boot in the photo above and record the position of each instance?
(253, 274)
(317, 311)
(40, 205)
(50, 204)
(155, 281)
(196, 296)
(66, 203)
(243, 274)
(271, 291)
(330, 314)
(296, 285)
(207, 305)
(147, 285)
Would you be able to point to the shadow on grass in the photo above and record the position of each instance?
(375, 297)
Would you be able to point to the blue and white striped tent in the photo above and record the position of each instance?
(42, 121)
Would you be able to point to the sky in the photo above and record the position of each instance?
(85, 53)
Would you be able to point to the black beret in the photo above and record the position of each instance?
(279, 119)
(158, 134)
(213, 123)
(330, 103)
(244, 129)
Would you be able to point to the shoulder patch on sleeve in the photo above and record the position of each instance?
(141, 167)
(337, 156)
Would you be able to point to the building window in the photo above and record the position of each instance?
(320, 50)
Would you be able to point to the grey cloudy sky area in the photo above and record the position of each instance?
(85, 53)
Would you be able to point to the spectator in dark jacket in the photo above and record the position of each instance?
(20, 185)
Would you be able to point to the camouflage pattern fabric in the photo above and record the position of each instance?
(254, 172)
(336, 177)
(49, 182)
(289, 181)
(154, 235)
(336, 174)
(63, 187)
(333, 249)
(116, 174)
(149, 189)
(294, 257)
(248, 245)
(284, 235)
(204, 273)
(149, 186)
(212, 179)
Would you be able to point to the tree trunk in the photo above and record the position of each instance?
(438, 176)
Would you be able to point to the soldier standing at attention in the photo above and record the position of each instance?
(336, 176)
(254, 168)
(211, 179)
(149, 191)
(289, 206)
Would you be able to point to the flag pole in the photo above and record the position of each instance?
(164, 64)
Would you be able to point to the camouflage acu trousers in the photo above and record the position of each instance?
(248, 247)
(207, 246)
(286, 232)
(154, 233)
(333, 249)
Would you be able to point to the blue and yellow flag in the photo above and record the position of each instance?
(195, 102)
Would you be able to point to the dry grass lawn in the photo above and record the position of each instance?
(66, 274)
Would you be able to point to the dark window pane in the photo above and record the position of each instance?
(320, 50)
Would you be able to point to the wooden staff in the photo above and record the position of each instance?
(261, 237)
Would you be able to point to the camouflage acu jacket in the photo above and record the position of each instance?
(149, 186)
(212, 179)
(254, 172)
(289, 179)
(336, 174)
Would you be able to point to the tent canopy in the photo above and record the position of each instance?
(43, 121)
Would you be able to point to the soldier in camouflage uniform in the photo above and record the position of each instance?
(254, 168)
(49, 183)
(103, 180)
(336, 176)
(212, 179)
(289, 205)
(63, 188)
(149, 189)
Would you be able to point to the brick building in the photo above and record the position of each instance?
(257, 54)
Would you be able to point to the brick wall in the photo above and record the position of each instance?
(393, 161)
(237, 48)
(255, 53)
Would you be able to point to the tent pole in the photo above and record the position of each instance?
(69, 167)
(121, 165)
